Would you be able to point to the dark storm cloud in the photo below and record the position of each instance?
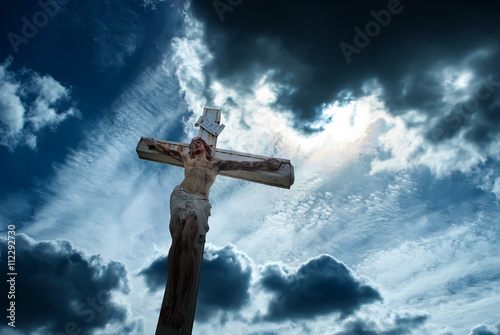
(321, 286)
(479, 115)
(224, 281)
(484, 330)
(298, 44)
(401, 325)
(155, 274)
(58, 290)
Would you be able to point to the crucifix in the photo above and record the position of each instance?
(190, 208)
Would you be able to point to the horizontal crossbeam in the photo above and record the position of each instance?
(283, 177)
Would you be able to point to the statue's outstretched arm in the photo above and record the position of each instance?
(153, 144)
(271, 164)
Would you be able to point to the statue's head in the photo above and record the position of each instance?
(208, 151)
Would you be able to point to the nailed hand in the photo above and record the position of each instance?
(273, 164)
(151, 142)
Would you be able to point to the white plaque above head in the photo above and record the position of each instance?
(209, 125)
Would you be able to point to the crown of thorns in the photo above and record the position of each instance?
(208, 151)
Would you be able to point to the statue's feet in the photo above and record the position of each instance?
(164, 314)
(167, 311)
(178, 316)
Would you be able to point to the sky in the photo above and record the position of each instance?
(388, 110)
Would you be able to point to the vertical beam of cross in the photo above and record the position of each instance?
(209, 119)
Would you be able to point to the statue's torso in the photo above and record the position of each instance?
(199, 176)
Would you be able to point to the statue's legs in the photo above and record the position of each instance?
(174, 256)
(186, 268)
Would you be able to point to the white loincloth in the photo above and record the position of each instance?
(183, 203)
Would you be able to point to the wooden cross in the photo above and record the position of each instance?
(210, 128)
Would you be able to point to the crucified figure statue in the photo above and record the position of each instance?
(189, 212)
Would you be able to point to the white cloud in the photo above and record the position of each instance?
(49, 89)
(152, 3)
(188, 65)
(409, 149)
(496, 188)
(42, 115)
(441, 275)
(418, 139)
(21, 119)
(11, 108)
